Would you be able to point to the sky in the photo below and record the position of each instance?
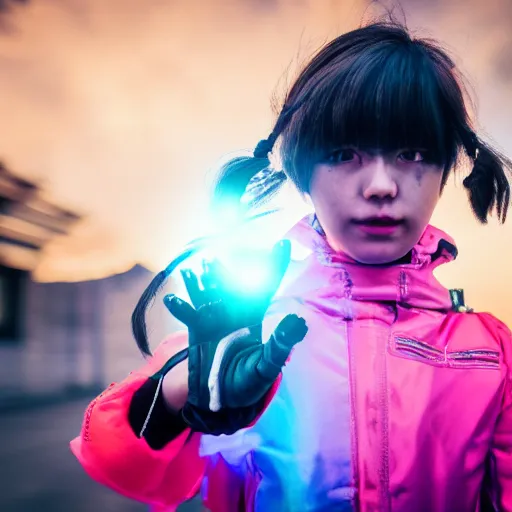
(121, 110)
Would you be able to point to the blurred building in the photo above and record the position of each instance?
(59, 339)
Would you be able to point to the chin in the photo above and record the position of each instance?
(382, 256)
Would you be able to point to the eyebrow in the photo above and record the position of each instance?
(373, 152)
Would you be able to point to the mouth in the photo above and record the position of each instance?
(379, 226)
(380, 221)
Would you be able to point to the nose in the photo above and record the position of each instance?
(379, 182)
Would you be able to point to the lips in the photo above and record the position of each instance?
(379, 228)
(380, 221)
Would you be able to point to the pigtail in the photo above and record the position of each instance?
(235, 176)
(488, 184)
(251, 178)
(139, 329)
(248, 182)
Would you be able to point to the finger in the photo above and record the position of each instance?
(180, 309)
(290, 331)
(192, 285)
(217, 282)
(211, 281)
(208, 275)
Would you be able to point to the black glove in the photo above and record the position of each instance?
(230, 369)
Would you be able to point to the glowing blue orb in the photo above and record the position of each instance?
(251, 277)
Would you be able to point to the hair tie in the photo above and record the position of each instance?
(474, 146)
(478, 174)
(263, 184)
(264, 147)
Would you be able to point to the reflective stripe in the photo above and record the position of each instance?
(213, 378)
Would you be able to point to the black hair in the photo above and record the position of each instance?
(373, 87)
(376, 87)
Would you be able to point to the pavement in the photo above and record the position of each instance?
(38, 472)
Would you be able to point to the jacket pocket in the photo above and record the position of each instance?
(409, 348)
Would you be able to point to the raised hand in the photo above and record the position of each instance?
(229, 366)
(245, 306)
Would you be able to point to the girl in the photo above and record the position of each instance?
(396, 396)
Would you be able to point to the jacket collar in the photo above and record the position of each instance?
(409, 284)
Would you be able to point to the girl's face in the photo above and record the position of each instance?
(375, 205)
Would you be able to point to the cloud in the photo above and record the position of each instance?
(122, 108)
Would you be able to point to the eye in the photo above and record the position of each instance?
(341, 156)
(410, 156)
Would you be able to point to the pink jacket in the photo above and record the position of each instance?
(393, 402)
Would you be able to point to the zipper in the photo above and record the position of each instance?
(381, 390)
(347, 285)
(472, 358)
(417, 349)
(353, 421)
(383, 401)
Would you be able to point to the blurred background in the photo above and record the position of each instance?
(114, 115)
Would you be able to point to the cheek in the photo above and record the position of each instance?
(319, 189)
(329, 189)
(427, 190)
(330, 204)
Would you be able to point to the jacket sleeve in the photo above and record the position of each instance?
(501, 450)
(163, 474)
(113, 455)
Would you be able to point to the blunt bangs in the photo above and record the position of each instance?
(387, 97)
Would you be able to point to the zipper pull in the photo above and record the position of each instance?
(458, 303)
